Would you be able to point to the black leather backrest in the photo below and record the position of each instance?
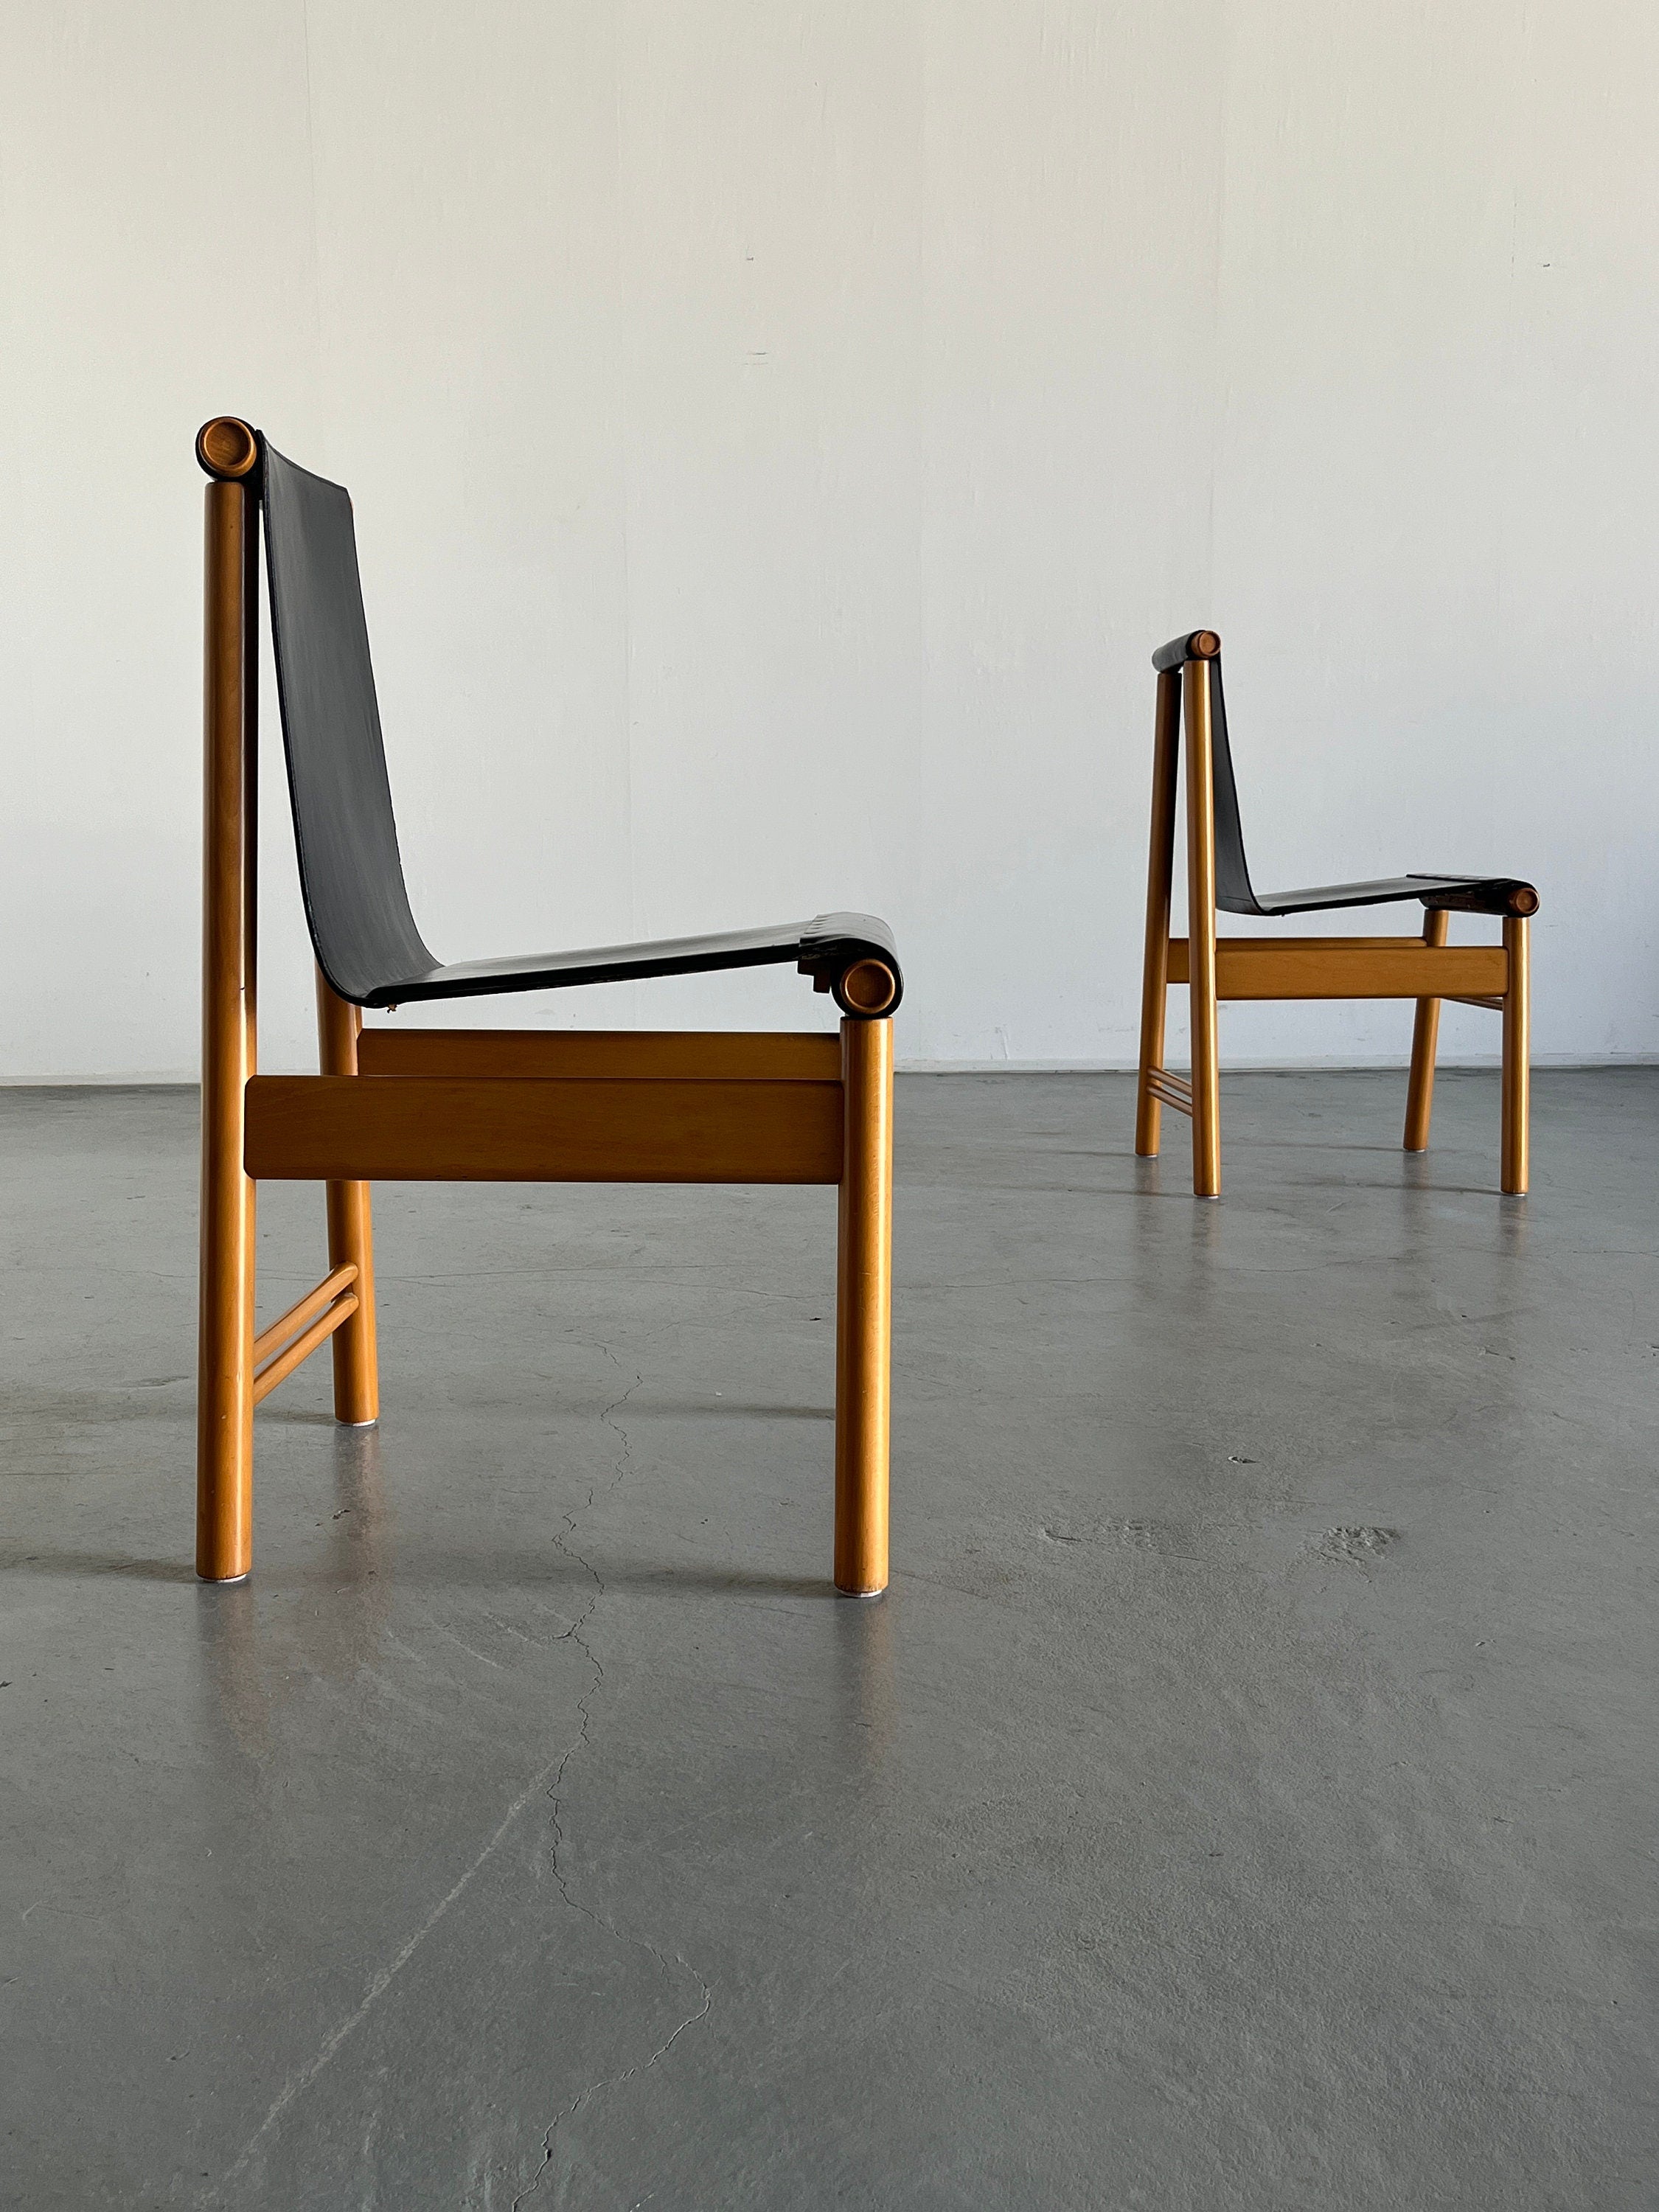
(1232, 873)
(351, 871)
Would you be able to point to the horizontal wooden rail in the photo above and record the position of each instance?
(297, 1316)
(1492, 1005)
(302, 1346)
(1349, 968)
(349, 1128)
(786, 1056)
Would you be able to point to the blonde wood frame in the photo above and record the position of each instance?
(485, 1105)
(1426, 969)
(224, 1397)
(332, 1319)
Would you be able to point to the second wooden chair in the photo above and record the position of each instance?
(1427, 967)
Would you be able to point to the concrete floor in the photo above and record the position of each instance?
(1245, 1796)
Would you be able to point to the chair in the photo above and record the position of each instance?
(470, 1105)
(1426, 968)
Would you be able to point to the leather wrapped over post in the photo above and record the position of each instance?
(854, 956)
(835, 947)
(228, 448)
(1505, 895)
(1196, 645)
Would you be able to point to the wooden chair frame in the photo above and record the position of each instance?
(450, 1105)
(1213, 968)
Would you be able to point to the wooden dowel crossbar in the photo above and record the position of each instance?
(300, 1350)
(299, 1314)
(1170, 1090)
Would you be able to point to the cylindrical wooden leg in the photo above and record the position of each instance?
(1201, 934)
(224, 1396)
(1160, 868)
(1518, 1059)
(351, 1231)
(1419, 1089)
(863, 1309)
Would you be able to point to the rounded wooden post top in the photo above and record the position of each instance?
(867, 989)
(226, 447)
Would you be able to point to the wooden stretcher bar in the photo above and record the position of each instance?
(541, 1129)
(1349, 968)
(687, 1055)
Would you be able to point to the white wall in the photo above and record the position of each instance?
(780, 431)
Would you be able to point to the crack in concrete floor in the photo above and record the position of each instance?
(549, 1783)
(601, 1920)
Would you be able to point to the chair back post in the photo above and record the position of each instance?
(1160, 873)
(229, 452)
(1200, 930)
(350, 1229)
